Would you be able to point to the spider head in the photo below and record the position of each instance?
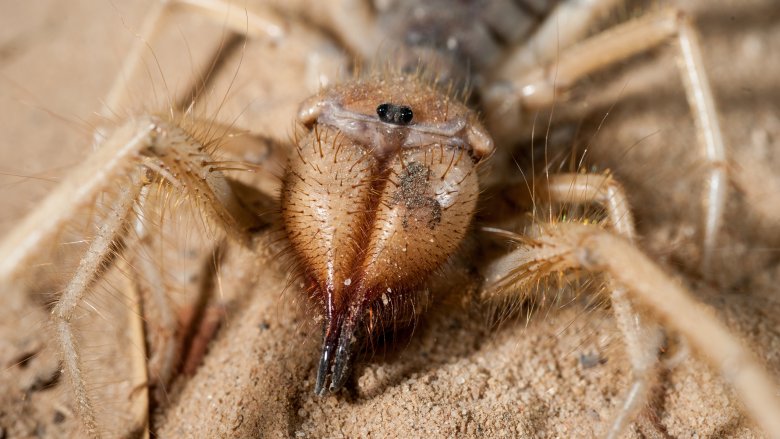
(378, 195)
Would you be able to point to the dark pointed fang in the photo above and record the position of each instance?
(337, 348)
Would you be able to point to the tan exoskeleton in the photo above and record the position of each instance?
(381, 186)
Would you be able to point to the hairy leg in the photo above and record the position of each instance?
(512, 91)
(642, 338)
(143, 152)
(571, 246)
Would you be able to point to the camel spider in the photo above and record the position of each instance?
(152, 150)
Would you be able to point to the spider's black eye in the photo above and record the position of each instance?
(395, 114)
(405, 115)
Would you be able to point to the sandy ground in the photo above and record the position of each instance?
(560, 374)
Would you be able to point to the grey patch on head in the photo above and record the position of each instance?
(412, 189)
(591, 360)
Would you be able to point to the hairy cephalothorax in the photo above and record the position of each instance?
(381, 186)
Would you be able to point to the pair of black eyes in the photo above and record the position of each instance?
(395, 114)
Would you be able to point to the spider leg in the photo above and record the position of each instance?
(139, 397)
(97, 256)
(571, 246)
(172, 344)
(352, 21)
(142, 152)
(162, 359)
(239, 20)
(539, 87)
(642, 338)
(566, 24)
(589, 189)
